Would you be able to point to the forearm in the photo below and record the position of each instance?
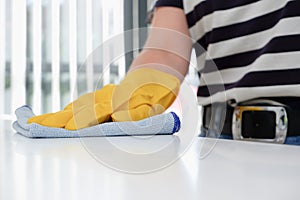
(168, 47)
(162, 60)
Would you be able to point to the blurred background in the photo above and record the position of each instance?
(44, 44)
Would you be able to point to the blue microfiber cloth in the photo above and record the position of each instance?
(163, 124)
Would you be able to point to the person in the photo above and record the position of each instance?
(248, 63)
(251, 61)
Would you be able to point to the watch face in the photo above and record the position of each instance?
(259, 124)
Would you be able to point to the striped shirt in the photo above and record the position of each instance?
(245, 49)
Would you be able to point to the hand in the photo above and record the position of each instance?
(143, 93)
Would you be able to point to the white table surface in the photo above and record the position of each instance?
(66, 169)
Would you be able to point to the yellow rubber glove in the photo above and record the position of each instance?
(143, 93)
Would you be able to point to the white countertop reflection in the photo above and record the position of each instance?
(158, 167)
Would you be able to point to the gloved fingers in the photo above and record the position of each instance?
(89, 116)
(92, 109)
(58, 119)
(104, 95)
(88, 110)
(84, 118)
(103, 112)
(38, 119)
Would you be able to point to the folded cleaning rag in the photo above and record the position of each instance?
(163, 124)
